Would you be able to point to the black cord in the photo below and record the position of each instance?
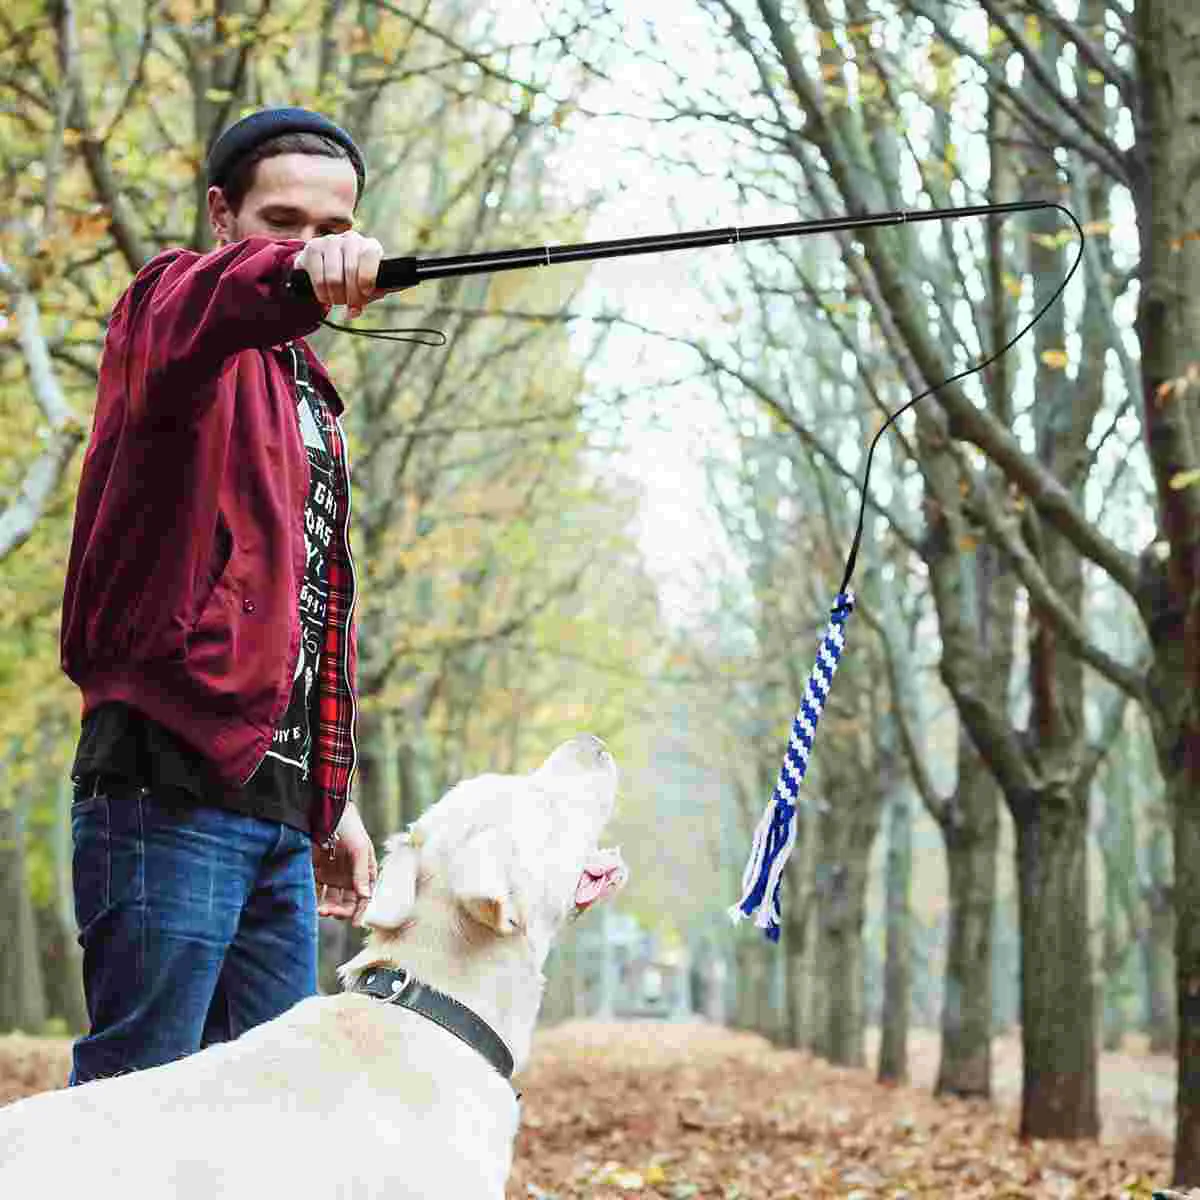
(987, 362)
(388, 335)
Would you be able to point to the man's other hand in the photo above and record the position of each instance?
(346, 875)
(342, 267)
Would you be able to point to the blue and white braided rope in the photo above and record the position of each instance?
(776, 832)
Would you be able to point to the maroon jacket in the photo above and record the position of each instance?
(181, 595)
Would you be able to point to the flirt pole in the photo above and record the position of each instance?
(775, 834)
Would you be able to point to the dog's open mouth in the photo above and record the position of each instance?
(603, 874)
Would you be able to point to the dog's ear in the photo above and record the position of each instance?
(484, 880)
(396, 890)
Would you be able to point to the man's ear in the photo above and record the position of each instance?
(483, 879)
(396, 891)
(221, 217)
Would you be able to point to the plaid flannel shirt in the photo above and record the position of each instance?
(335, 751)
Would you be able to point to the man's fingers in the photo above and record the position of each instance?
(367, 269)
(315, 266)
(337, 902)
(335, 269)
(362, 871)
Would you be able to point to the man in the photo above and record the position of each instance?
(208, 615)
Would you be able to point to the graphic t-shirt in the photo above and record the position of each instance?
(286, 768)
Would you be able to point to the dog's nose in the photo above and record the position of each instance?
(596, 745)
(585, 751)
(593, 750)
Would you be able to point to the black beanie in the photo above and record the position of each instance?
(242, 136)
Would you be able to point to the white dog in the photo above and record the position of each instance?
(357, 1096)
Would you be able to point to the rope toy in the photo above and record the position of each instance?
(776, 832)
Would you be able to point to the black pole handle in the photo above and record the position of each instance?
(396, 274)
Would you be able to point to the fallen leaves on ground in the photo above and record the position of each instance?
(696, 1112)
(682, 1111)
(32, 1064)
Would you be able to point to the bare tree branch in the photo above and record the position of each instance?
(42, 478)
(1005, 531)
(1036, 66)
(125, 234)
(1106, 155)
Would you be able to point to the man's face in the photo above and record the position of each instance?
(300, 196)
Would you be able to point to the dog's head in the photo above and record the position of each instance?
(516, 854)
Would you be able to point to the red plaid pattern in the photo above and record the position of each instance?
(335, 751)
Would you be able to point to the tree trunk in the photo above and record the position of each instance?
(1166, 192)
(1059, 1097)
(795, 941)
(970, 830)
(22, 993)
(841, 887)
(378, 789)
(1186, 806)
(754, 1011)
(411, 801)
(1158, 949)
(893, 1047)
(69, 1001)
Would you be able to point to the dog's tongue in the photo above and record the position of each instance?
(599, 879)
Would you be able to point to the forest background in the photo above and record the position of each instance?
(620, 497)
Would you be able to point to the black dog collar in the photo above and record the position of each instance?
(397, 986)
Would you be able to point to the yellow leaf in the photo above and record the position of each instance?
(1012, 285)
(1094, 77)
(1033, 31)
(655, 1175)
(1098, 228)
(1053, 241)
(217, 95)
(1056, 360)
(621, 1177)
(1184, 479)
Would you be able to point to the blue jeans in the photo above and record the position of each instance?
(196, 924)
